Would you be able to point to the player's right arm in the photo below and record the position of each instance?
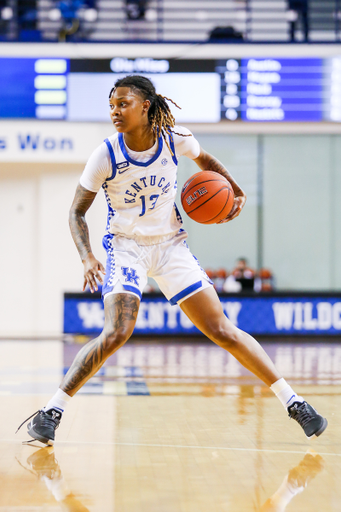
(80, 233)
(96, 171)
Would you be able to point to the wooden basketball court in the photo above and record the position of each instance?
(170, 427)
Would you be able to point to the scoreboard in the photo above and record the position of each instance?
(208, 91)
(281, 89)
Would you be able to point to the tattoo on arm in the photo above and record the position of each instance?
(214, 165)
(121, 313)
(79, 229)
(208, 162)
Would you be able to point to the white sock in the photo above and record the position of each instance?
(58, 401)
(285, 393)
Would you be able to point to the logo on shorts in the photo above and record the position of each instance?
(164, 161)
(130, 275)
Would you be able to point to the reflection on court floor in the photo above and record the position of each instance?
(189, 367)
(197, 434)
(42, 463)
(306, 363)
(203, 368)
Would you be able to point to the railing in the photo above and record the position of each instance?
(172, 21)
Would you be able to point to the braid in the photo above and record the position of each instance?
(160, 116)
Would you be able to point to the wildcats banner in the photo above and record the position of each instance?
(258, 314)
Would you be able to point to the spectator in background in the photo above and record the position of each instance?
(298, 9)
(73, 14)
(242, 278)
(137, 15)
(136, 9)
(71, 9)
(244, 275)
(27, 14)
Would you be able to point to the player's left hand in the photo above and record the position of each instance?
(238, 205)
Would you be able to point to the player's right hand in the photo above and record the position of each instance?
(92, 271)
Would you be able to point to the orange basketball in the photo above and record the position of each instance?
(207, 197)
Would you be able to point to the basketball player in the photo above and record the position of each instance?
(136, 168)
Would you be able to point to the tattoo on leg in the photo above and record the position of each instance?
(120, 317)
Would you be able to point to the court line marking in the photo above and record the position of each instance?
(152, 445)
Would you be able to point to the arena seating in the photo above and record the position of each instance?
(171, 20)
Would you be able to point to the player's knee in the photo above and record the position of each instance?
(114, 339)
(225, 336)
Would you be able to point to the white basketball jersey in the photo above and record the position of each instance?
(141, 195)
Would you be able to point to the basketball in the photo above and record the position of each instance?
(207, 197)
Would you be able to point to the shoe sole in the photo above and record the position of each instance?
(320, 431)
(31, 432)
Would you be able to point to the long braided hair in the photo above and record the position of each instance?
(159, 114)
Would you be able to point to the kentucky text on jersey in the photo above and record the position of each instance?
(135, 188)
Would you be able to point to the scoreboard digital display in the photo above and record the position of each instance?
(282, 89)
(208, 91)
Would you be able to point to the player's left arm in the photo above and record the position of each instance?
(208, 162)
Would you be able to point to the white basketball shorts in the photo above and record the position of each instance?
(170, 263)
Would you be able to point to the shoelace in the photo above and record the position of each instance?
(302, 414)
(23, 423)
(46, 421)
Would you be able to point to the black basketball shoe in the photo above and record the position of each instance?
(310, 420)
(42, 427)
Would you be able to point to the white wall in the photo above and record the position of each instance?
(297, 210)
(37, 255)
(18, 253)
(335, 206)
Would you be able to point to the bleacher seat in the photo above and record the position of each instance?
(194, 20)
